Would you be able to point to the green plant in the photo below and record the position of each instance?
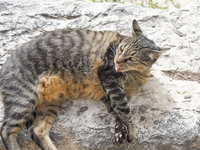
(142, 4)
(153, 4)
(177, 5)
(163, 7)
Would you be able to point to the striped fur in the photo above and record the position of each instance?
(69, 64)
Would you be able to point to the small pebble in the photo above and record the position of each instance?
(188, 96)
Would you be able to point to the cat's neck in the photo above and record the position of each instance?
(145, 73)
(134, 80)
(137, 75)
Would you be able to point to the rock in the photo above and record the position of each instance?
(166, 111)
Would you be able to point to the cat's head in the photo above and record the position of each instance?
(137, 52)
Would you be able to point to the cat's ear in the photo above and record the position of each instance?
(161, 50)
(135, 28)
(156, 52)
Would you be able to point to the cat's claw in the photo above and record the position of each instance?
(131, 139)
(120, 134)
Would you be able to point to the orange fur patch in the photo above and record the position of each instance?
(52, 88)
(55, 89)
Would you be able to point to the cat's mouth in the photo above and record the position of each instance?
(117, 68)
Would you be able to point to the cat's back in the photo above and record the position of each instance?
(59, 49)
(70, 54)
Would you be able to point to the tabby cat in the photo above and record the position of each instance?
(69, 64)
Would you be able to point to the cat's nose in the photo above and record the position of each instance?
(119, 60)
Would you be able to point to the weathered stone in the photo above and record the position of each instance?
(166, 112)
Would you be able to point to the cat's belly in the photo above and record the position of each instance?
(55, 89)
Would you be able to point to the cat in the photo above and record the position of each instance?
(69, 64)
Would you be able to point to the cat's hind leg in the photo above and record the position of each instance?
(45, 117)
(17, 111)
(52, 94)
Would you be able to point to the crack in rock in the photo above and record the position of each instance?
(182, 75)
(58, 17)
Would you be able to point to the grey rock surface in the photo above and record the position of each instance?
(166, 111)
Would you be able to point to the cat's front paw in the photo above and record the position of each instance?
(120, 134)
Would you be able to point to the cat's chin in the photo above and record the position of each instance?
(119, 69)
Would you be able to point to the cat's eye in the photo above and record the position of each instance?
(133, 59)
